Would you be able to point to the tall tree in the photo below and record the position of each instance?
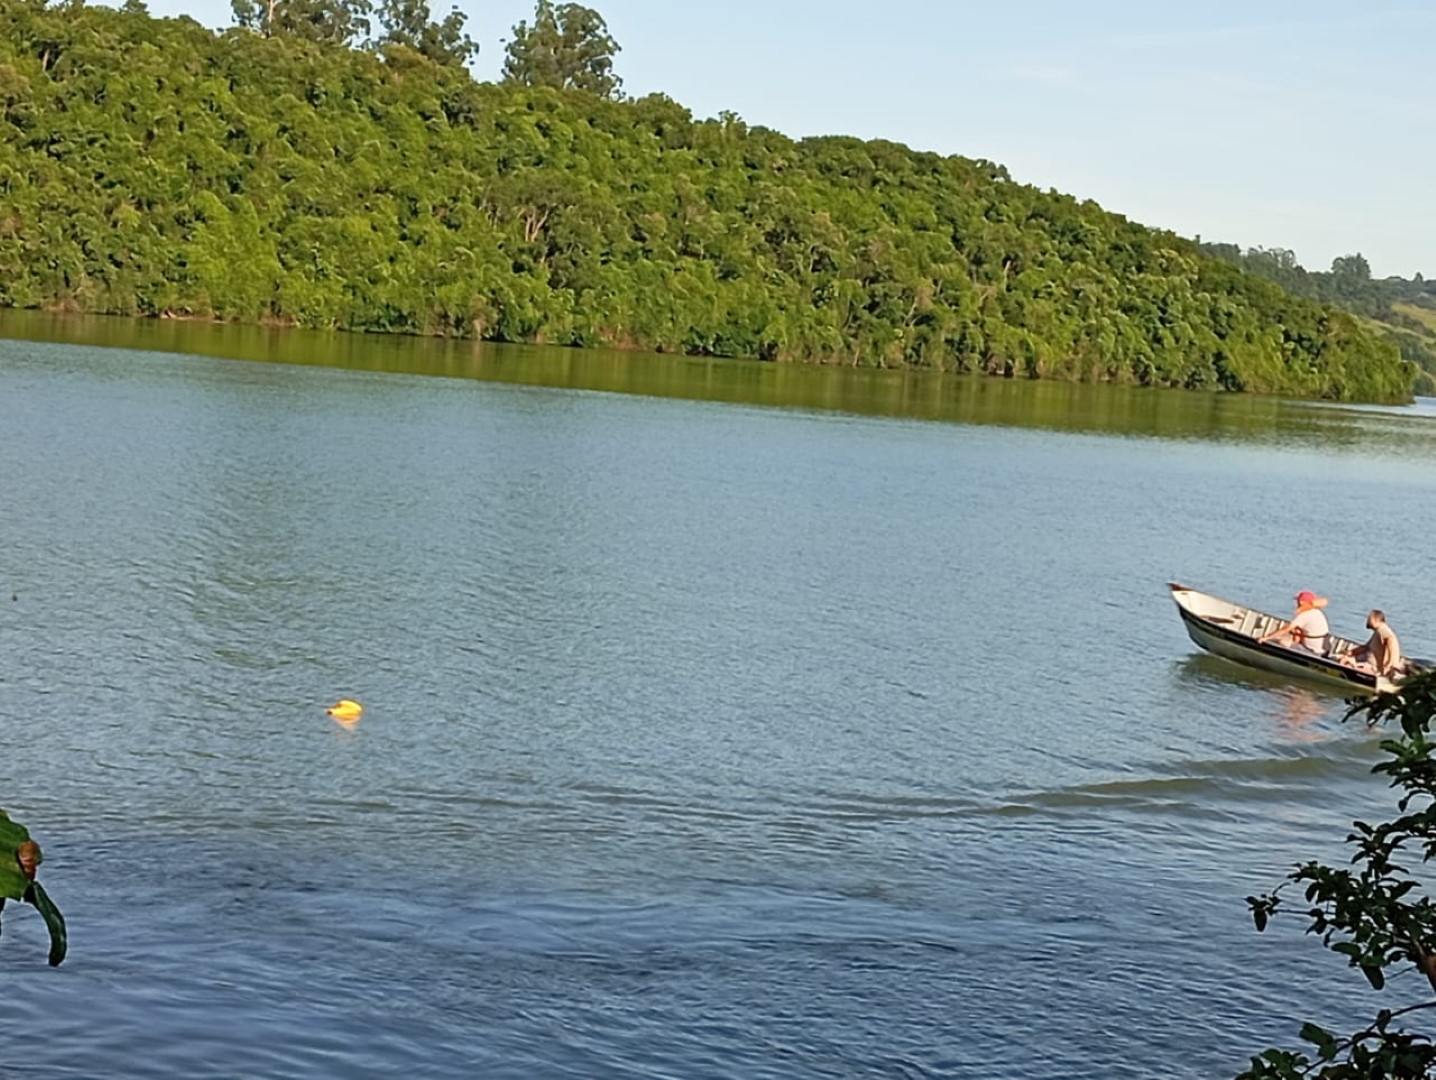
(1351, 267)
(334, 22)
(409, 23)
(1352, 287)
(568, 46)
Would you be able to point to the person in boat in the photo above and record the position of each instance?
(1382, 654)
(1307, 629)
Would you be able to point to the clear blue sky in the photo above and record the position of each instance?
(1303, 124)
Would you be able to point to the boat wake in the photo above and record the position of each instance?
(1217, 788)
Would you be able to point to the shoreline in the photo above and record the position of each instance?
(64, 312)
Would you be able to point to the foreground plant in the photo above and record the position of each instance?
(1376, 913)
(20, 857)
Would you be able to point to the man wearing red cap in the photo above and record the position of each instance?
(1308, 629)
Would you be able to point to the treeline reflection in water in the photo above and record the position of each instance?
(910, 394)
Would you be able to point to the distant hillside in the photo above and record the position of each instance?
(1405, 310)
(1418, 317)
(153, 166)
(1413, 328)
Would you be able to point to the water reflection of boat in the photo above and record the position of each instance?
(1231, 631)
(1300, 710)
(1202, 670)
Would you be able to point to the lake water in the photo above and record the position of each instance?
(760, 722)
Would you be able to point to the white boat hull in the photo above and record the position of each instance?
(1231, 631)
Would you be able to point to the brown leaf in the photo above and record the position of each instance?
(28, 855)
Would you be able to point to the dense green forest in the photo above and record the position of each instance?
(306, 167)
(1405, 309)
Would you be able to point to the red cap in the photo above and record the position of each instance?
(1305, 597)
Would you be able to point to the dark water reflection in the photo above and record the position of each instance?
(700, 741)
(914, 395)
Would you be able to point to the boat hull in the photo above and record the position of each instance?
(1231, 631)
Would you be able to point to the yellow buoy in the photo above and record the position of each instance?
(345, 709)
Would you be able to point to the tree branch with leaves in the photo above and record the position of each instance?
(1376, 912)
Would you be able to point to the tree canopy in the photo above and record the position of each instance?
(152, 166)
(334, 22)
(567, 47)
(409, 24)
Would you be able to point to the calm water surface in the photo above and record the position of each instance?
(703, 738)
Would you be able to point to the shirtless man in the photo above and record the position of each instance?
(1382, 654)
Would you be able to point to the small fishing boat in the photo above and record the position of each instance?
(1232, 631)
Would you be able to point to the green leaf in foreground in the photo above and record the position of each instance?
(20, 857)
(12, 877)
(54, 921)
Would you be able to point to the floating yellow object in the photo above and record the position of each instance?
(346, 709)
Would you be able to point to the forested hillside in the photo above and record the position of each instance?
(1405, 309)
(157, 167)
